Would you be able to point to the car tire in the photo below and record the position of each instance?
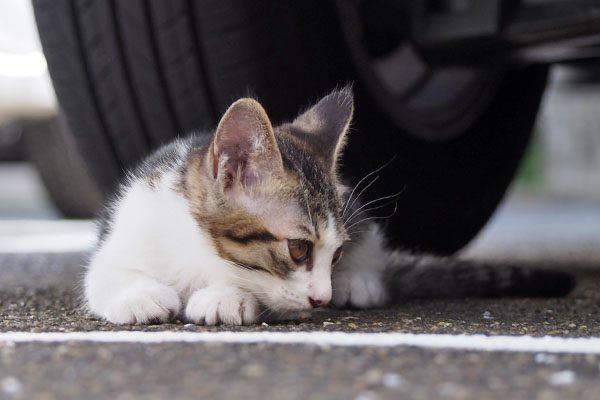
(132, 75)
(449, 189)
(49, 146)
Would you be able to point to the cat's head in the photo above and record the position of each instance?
(276, 202)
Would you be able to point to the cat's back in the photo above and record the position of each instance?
(158, 172)
(169, 157)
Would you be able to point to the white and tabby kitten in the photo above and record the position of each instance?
(243, 223)
(252, 221)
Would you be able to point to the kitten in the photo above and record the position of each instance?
(250, 221)
(227, 226)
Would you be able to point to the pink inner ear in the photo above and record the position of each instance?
(215, 161)
(235, 166)
(236, 134)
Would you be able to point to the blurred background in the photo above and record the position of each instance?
(551, 210)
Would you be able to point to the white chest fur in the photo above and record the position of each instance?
(153, 235)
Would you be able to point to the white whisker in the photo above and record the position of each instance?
(362, 191)
(395, 199)
(370, 218)
(356, 232)
(393, 196)
(267, 309)
(365, 177)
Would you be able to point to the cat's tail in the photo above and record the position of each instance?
(430, 277)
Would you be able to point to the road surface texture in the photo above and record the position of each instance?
(40, 266)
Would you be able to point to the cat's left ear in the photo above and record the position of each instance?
(244, 149)
(324, 126)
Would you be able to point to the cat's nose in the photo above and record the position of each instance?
(317, 302)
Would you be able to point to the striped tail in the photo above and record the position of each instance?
(430, 277)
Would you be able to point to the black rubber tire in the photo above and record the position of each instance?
(449, 189)
(133, 74)
(49, 145)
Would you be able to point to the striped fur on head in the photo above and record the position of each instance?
(254, 187)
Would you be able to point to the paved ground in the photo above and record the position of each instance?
(210, 371)
(49, 303)
(40, 264)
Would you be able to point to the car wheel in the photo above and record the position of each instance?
(132, 75)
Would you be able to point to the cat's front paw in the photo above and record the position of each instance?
(143, 304)
(360, 289)
(221, 305)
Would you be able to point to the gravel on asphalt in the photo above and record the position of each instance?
(37, 297)
(39, 293)
(226, 371)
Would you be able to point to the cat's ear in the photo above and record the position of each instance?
(324, 126)
(244, 148)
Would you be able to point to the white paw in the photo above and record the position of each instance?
(143, 304)
(221, 305)
(360, 289)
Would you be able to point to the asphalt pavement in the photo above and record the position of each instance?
(301, 371)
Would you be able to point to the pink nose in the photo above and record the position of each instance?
(317, 302)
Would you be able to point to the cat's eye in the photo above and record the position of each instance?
(336, 255)
(299, 249)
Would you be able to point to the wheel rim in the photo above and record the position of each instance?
(430, 102)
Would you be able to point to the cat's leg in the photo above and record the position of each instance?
(226, 305)
(126, 296)
(357, 280)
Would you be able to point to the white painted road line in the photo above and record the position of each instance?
(526, 344)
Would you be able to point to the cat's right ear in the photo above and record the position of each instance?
(244, 150)
(324, 126)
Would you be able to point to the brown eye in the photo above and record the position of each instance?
(337, 255)
(299, 249)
